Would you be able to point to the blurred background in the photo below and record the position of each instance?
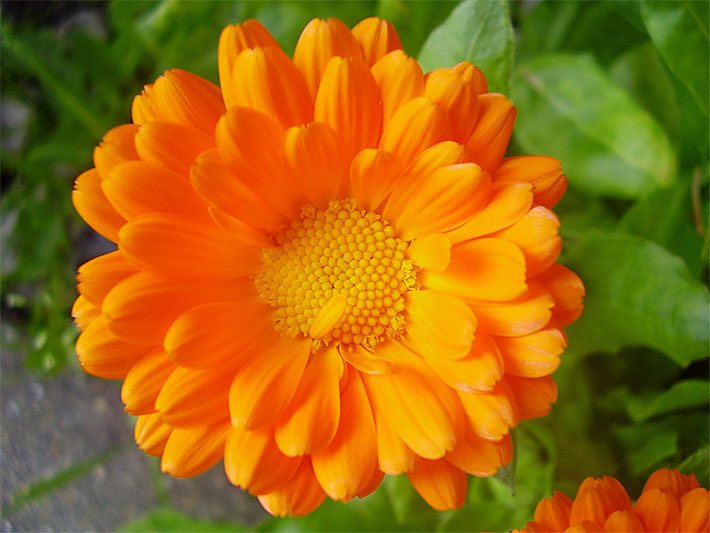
(617, 90)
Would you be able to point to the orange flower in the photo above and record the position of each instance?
(670, 501)
(326, 270)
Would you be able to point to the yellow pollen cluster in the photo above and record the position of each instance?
(340, 252)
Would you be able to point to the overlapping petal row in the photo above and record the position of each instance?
(670, 501)
(326, 271)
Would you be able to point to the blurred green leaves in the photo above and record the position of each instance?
(626, 303)
(611, 146)
(479, 32)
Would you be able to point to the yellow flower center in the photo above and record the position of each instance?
(338, 275)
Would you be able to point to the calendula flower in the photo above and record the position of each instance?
(325, 270)
(670, 501)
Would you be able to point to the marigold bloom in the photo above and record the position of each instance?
(325, 270)
(670, 501)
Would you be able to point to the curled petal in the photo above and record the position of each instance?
(253, 462)
(345, 467)
(300, 496)
(491, 135)
(190, 452)
(348, 100)
(320, 41)
(377, 37)
(400, 80)
(543, 172)
(457, 97)
(234, 39)
(441, 484)
(567, 290)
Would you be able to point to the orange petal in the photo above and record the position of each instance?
(265, 79)
(441, 201)
(191, 398)
(424, 412)
(190, 452)
(168, 245)
(302, 495)
(478, 371)
(523, 316)
(101, 353)
(458, 98)
(365, 361)
(117, 146)
(567, 291)
(84, 312)
(589, 506)
(400, 80)
(671, 481)
(623, 521)
(658, 510)
(481, 269)
(543, 172)
(220, 188)
(695, 510)
(532, 356)
(320, 41)
(241, 232)
(263, 389)
(313, 155)
(598, 498)
(377, 37)
(345, 467)
(217, 333)
(491, 136)
(250, 142)
(393, 455)
(348, 100)
(537, 236)
(253, 462)
(441, 484)
(136, 188)
(142, 307)
(183, 98)
(90, 202)
(98, 276)
(472, 74)
(373, 176)
(480, 457)
(232, 41)
(533, 396)
(491, 414)
(144, 381)
(553, 513)
(431, 252)
(430, 161)
(311, 420)
(505, 207)
(172, 146)
(415, 126)
(151, 434)
(440, 325)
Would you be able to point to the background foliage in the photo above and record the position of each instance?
(617, 90)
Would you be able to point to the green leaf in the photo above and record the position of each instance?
(683, 395)
(478, 31)
(569, 108)
(638, 293)
(666, 217)
(699, 464)
(414, 19)
(167, 519)
(648, 445)
(640, 72)
(679, 29)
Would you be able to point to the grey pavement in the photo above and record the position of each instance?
(68, 461)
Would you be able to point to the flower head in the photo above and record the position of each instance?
(670, 501)
(325, 270)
